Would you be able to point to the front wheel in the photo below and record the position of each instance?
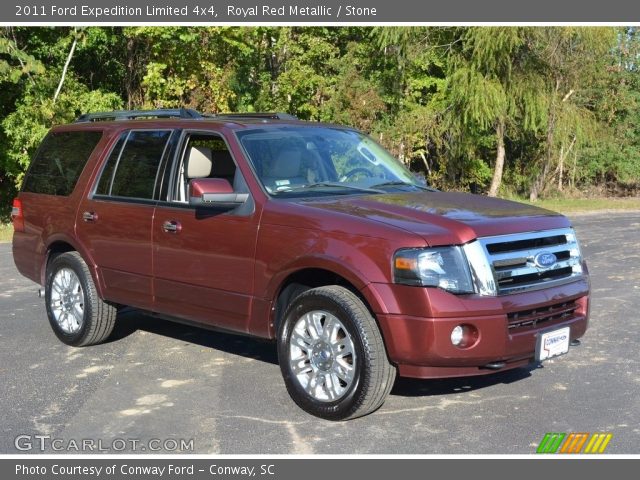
(332, 355)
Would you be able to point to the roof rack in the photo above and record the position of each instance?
(258, 115)
(177, 113)
(133, 114)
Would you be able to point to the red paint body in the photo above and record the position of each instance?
(227, 270)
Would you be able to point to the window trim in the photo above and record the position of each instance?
(163, 160)
(173, 145)
(105, 160)
(115, 167)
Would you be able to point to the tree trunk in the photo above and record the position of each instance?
(66, 65)
(500, 154)
(573, 173)
(540, 180)
(561, 168)
(129, 75)
(426, 163)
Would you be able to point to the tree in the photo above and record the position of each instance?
(572, 58)
(494, 84)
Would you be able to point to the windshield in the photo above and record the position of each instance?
(307, 161)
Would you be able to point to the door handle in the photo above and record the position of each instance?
(171, 226)
(89, 216)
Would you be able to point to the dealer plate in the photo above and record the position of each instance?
(552, 343)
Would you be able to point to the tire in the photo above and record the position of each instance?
(332, 355)
(78, 316)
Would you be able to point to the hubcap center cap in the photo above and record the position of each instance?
(321, 356)
(67, 300)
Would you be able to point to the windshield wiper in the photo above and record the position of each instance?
(314, 185)
(400, 183)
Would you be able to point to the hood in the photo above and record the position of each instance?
(444, 218)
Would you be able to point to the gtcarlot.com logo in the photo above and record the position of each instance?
(43, 443)
(574, 443)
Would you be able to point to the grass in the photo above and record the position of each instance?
(6, 232)
(584, 205)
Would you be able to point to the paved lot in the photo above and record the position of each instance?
(157, 380)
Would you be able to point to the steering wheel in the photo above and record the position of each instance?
(355, 171)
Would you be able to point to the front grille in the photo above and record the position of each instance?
(539, 316)
(513, 259)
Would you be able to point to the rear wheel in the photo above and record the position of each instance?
(332, 355)
(78, 316)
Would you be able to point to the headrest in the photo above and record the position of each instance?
(199, 162)
(287, 164)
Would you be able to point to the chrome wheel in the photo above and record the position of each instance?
(67, 300)
(322, 356)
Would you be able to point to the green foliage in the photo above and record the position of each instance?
(15, 63)
(188, 66)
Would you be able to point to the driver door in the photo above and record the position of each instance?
(204, 259)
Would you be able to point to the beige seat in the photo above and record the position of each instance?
(285, 171)
(199, 162)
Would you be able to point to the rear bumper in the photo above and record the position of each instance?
(507, 327)
(28, 255)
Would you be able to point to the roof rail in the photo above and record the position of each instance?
(133, 114)
(177, 113)
(263, 115)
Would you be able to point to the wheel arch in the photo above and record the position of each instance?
(61, 244)
(313, 273)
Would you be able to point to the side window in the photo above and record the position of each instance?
(204, 156)
(104, 185)
(60, 161)
(131, 170)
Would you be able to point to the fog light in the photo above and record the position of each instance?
(456, 335)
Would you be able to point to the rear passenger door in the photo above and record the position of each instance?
(204, 259)
(114, 222)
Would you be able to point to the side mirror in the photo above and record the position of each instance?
(214, 193)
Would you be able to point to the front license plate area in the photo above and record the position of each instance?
(552, 343)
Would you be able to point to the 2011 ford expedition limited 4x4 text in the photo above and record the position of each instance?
(309, 234)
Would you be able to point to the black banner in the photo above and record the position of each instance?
(315, 11)
(309, 469)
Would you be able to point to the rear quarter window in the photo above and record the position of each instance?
(59, 162)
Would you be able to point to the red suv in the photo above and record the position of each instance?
(309, 234)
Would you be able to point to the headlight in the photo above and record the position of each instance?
(443, 267)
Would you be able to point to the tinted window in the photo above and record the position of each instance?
(104, 186)
(136, 167)
(59, 162)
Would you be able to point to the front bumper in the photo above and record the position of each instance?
(418, 321)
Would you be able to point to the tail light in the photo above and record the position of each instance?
(17, 216)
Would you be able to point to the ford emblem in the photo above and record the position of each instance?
(545, 260)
